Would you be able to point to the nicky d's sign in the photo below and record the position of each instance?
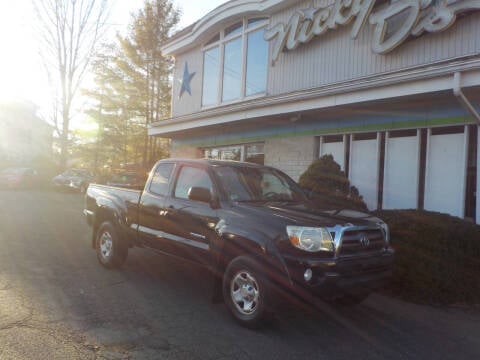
(393, 23)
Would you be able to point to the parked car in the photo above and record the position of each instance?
(73, 179)
(130, 180)
(252, 226)
(16, 178)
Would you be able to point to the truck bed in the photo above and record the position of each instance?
(114, 192)
(101, 197)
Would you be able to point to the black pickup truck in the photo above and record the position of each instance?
(251, 225)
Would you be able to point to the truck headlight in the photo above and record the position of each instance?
(385, 230)
(311, 239)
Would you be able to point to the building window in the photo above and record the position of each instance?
(253, 153)
(334, 145)
(233, 30)
(235, 63)
(257, 62)
(224, 153)
(211, 76)
(232, 70)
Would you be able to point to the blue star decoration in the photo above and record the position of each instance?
(187, 78)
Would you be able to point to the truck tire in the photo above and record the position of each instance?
(111, 251)
(245, 291)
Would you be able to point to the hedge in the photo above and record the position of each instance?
(437, 258)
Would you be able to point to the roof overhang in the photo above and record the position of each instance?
(414, 81)
(215, 20)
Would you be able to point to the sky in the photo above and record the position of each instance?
(21, 72)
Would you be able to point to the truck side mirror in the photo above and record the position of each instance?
(201, 194)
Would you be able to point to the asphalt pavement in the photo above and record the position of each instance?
(57, 302)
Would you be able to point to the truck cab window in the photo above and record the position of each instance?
(160, 179)
(191, 177)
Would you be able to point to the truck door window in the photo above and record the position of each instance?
(234, 184)
(160, 179)
(191, 177)
(257, 184)
(274, 184)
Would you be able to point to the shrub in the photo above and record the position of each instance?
(437, 257)
(330, 187)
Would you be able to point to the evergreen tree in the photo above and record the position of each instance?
(132, 88)
(150, 28)
(330, 186)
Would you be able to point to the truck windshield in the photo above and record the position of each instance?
(250, 184)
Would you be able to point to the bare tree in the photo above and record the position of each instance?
(68, 32)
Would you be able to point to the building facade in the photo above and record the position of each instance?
(390, 88)
(23, 135)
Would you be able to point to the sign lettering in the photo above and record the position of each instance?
(416, 17)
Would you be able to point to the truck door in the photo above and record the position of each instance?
(193, 222)
(153, 225)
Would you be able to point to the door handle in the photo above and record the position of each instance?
(165, 212)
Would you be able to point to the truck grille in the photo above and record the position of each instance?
(362, 241)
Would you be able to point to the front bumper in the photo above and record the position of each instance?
(336, 277)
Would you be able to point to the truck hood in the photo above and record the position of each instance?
(303, 214)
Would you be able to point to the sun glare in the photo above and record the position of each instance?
(21, 73)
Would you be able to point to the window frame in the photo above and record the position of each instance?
(150, 181)
(220, 43)
(178, 173)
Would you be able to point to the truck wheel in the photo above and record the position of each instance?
(245, 292)
(111, 252)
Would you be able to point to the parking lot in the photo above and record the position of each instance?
(57, 302)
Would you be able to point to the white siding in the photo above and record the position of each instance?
(337, 150)
(334, 57)
(364, 169)
(188, 104)
(445, 174)
(400, 188)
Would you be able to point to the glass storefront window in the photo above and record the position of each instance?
(249, 153)
(255, 154)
